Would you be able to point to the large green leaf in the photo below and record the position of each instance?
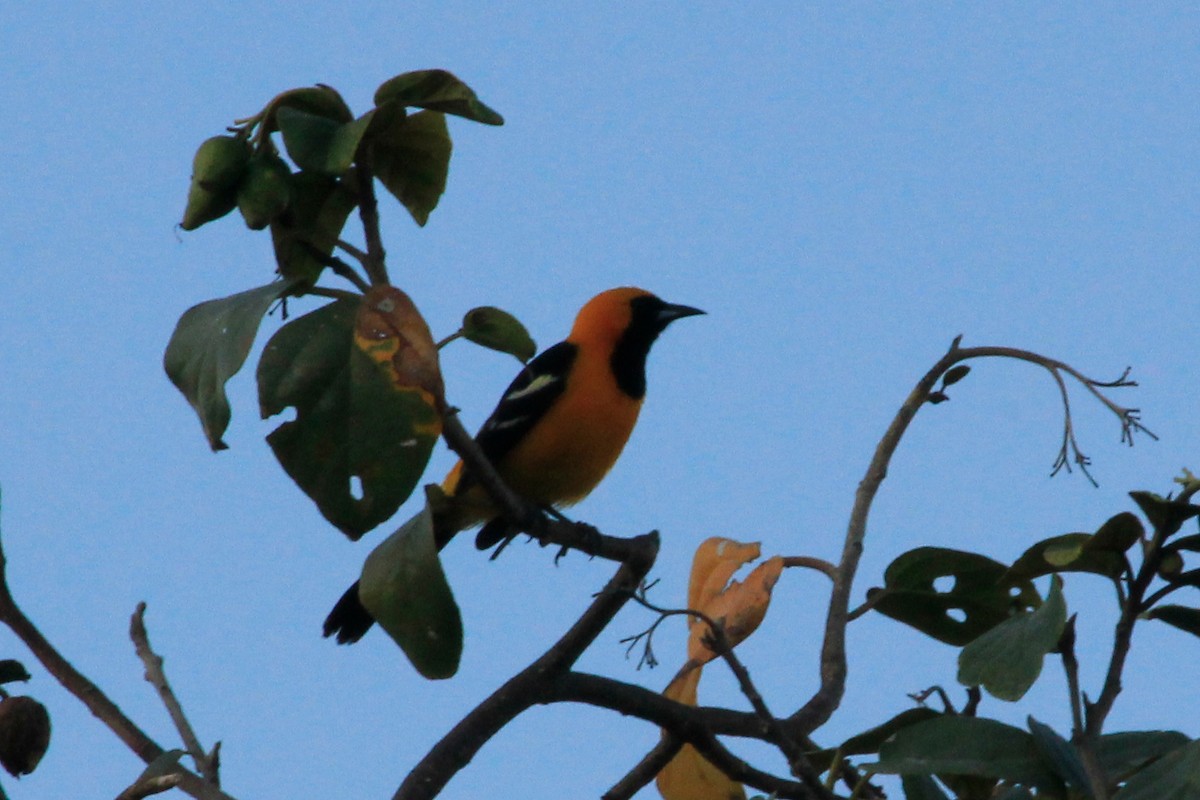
(405, 589)
(1070, 552)
(974, 603)
(870, 740)
(1175, 776)
(357, 446)
(1007, 659)
(953, 745)
(1122, 754)
(410, 154)
(318, 211)
(209, 345)
(318, 144)
(436, 90)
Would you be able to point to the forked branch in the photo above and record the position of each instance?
(833, 668)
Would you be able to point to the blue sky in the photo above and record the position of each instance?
(844, 188)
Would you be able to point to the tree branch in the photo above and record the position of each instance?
(368, 211)
(88, 693)
(158, 679)
(528, 687)
(833, 668)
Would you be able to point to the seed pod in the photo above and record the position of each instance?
(265, 192)
(205, 206)
(220, 162)
(24, 734)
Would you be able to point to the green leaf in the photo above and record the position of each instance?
(922, 787)
(1070, 552)
(209, 345)
(909, 594)
(1182, 617)
(12, 671)
(1118, 534)
(869, 741)
(322, 101)
(357, 447)
(1175, 776)
(1061, 755)
(318, 212)
(497, 329)
(1122, 754)
(1190, 543)
(405, 589)
(1165, 515)
(953, 745)
(411, 157)
(1007, 659)
(318, 144)
(955, 374)
(436, 90)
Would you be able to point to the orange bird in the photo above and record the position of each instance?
(558, 428)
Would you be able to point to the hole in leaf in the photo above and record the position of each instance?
(944, 584)
(356, 487)
(956, 614)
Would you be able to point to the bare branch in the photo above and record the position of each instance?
(833, 670)
(808, 562)
(158, 679)
(88, 693)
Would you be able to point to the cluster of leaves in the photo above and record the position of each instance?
(1006, 628)
(361, 372)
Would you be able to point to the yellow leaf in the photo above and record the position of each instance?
(688, 776)
(713, 565)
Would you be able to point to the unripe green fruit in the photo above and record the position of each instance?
(220, 162)
(265, 192)
(205, 206)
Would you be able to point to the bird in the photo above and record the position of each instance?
(557, 430)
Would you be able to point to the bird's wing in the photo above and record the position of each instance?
(525, 401)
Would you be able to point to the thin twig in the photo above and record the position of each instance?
(337, 266)
(354, 252)
(336, 294)
(157, 678)
(808, 562)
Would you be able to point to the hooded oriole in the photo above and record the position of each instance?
(558, 428)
